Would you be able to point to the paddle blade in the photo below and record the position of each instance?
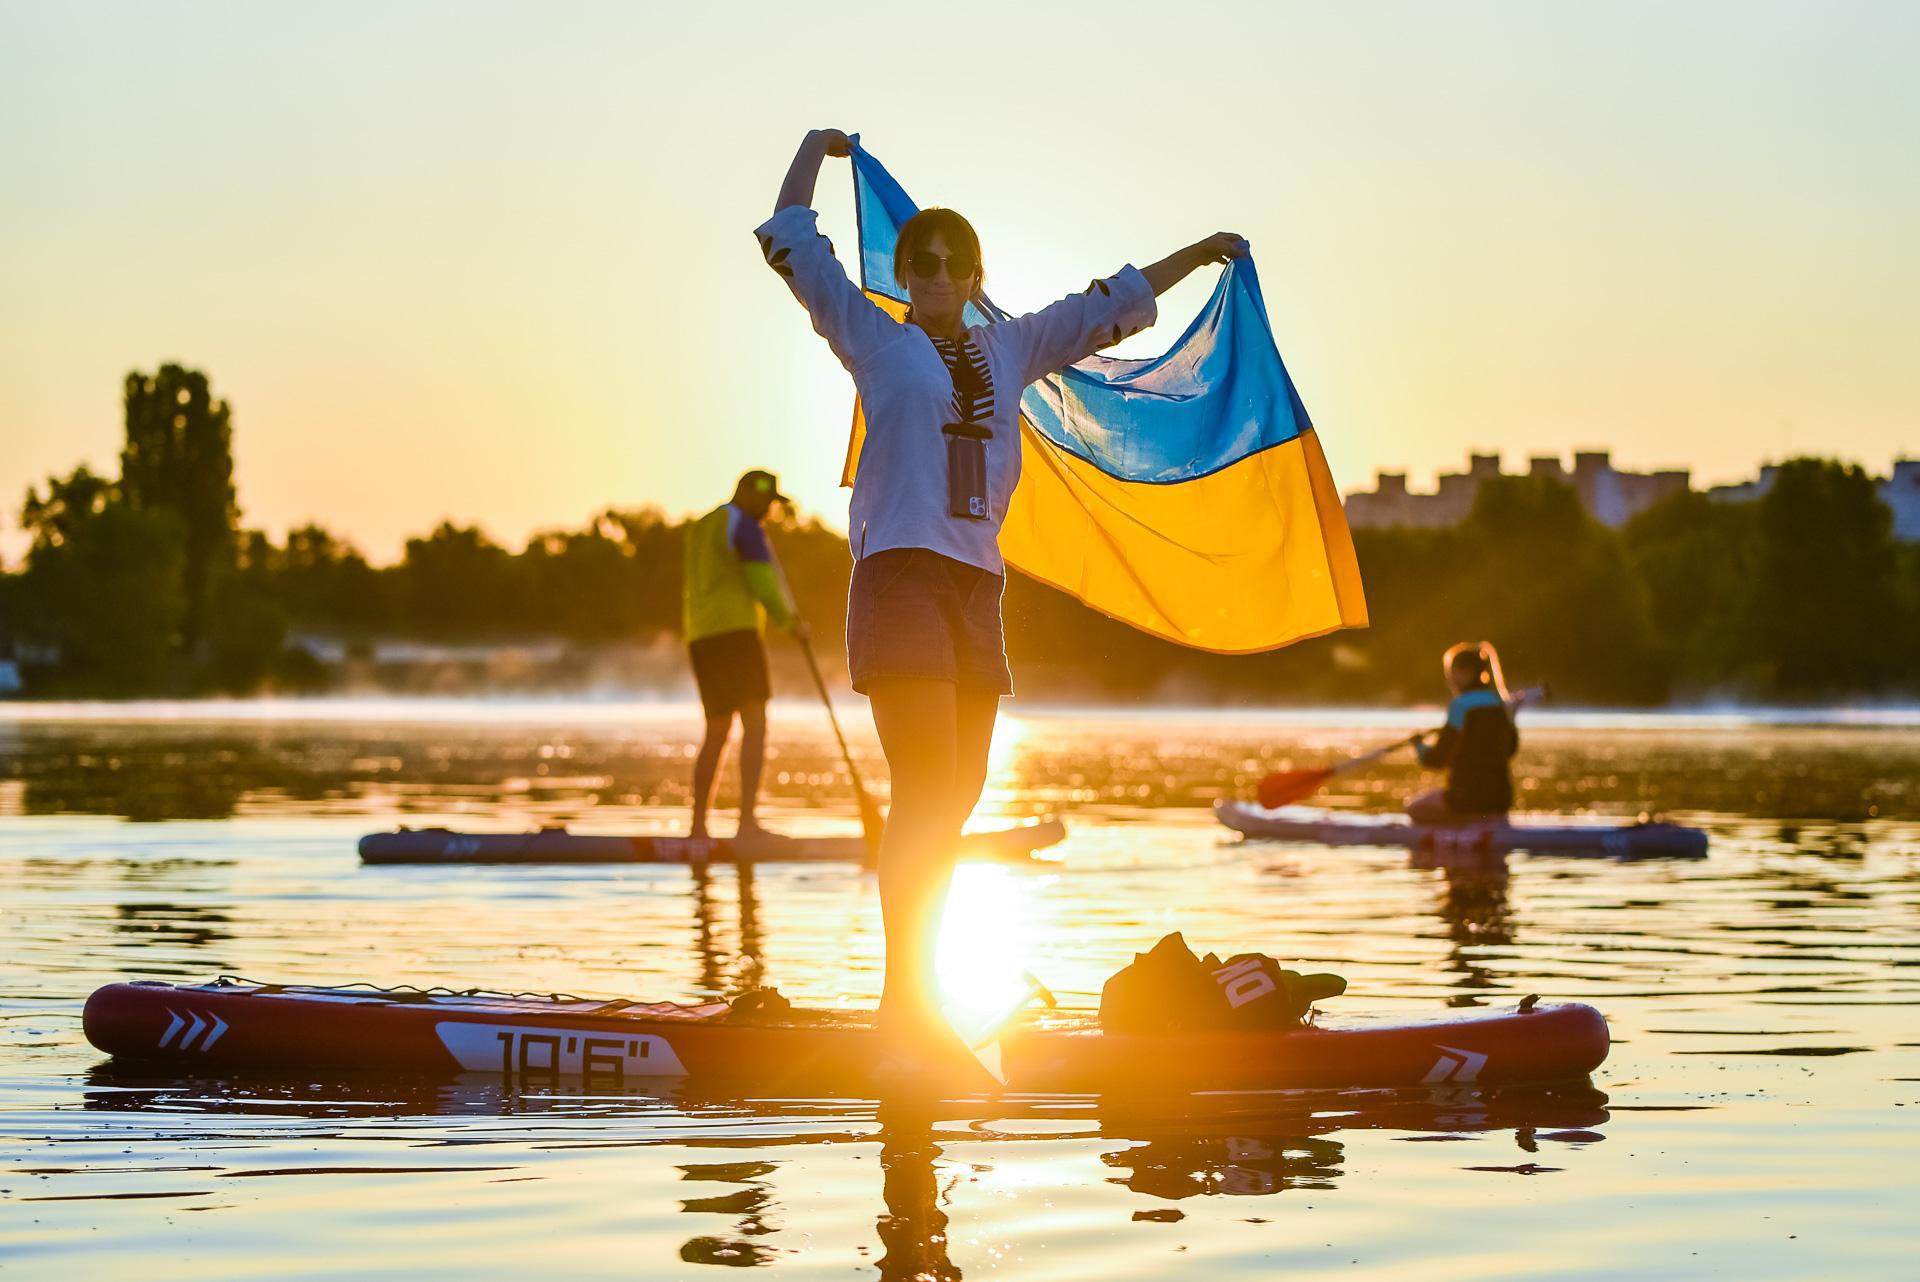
(1284, 787)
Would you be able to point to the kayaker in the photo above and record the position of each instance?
(941, 458)
(729, 592)
(1474, 746)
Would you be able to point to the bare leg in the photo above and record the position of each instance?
(753, 752)
(918, 725)
(1429, 807)
(706, 766)
(975, 715)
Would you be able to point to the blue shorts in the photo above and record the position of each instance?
(914, 613)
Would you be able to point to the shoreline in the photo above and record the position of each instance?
(624, 708)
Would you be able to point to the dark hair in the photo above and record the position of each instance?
(923, 227)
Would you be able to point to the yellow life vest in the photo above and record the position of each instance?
(716, 596)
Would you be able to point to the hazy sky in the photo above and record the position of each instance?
(493, 261)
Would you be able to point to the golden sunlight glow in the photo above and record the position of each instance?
(1003, 755)
(986, 938)
(566, 375)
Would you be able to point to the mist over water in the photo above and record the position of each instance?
(1753, 1120)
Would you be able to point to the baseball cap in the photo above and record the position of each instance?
(759, 482)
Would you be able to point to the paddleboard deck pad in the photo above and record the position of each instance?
(1330, 828)
(232, 1024)
(558, 846)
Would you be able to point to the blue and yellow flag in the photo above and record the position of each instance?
(1186, 494)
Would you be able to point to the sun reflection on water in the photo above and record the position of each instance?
(988, 937)
(1003, 790)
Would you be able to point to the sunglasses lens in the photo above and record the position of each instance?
(926, 266)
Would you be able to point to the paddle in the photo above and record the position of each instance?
(872, 823)
(1284, 787)
(984, 1044)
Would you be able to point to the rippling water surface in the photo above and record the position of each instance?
(1756, 1118)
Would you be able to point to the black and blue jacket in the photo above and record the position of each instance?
(1475, 746)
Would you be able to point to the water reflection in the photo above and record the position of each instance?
(1761, 999)
(755, 1198)
(1283, 1141)
(724, 971)
(1232, 1165)
(749, 1203)
(189, 925)
(185, 769)
(1473, 902)
(136, 777)
(913, 1228)
(1247, 1144)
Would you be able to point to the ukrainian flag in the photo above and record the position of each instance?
(1186, 494)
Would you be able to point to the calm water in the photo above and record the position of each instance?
(1756, 1118)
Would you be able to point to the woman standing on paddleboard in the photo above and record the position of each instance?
(940, 462)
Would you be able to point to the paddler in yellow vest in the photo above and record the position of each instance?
(731, 588)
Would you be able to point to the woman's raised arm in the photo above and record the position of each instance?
(1175, 267)
(819, 143)
(792, 244)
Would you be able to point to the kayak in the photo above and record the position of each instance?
(233, 1024)
(559, 846)
(1641, 840)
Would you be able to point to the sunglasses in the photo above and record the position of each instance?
(960, 267)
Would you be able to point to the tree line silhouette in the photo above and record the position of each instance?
(148, 584)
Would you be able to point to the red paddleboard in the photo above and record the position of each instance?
(234, 1025)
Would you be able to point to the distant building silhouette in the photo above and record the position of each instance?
(1900, 492)
(1612, 496)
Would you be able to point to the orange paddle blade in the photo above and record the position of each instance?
(1284, 787)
